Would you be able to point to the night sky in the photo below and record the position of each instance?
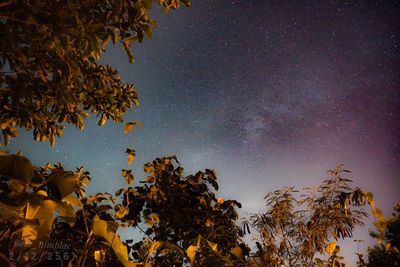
(268, 93)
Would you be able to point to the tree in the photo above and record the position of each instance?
(386, 253)
(184, 213)
(186, 222)
(49, 73)
(298, 226)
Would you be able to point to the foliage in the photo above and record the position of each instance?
(299, 226)
(386, 253)
(49, 74)
(185, 221)
(184, 213)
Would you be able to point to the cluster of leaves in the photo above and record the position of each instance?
(297, 227)
(49, 73)
(32, 201)
(184, 213)
(386, 253)
(181, 218)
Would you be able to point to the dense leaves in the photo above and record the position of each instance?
(387, 252)
(49, 74)
(184, 212)
(181, 219)
(298, 226)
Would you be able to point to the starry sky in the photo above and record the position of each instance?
(268, 93)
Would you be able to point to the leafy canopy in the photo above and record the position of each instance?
(298, 226)
(387, 252)
(49, 74)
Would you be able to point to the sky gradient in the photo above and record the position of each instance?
(268, 93)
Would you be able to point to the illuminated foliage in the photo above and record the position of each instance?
(49, 70)
(386, 253)
(298, 226)
(184, 212)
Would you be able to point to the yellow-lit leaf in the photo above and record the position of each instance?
(127, 174)
(44, 215)
(66, 182)
(122, 211)
(213, 246)
(156, 245)
(377, 213)
(131, 155)
(152, 219)
(128, 127)
(203, 201)
(107, 230)
(220, 200)
(29, 234)
(237, 251)
(369, 197)
(330, 248)
(99, 255)
(149, 179)
(70, 199)
(209, 223)
(191, 253)
(42, 193)
(103, 120)
(148, 168)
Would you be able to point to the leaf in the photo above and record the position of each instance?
(72, 200)
(148, 168)
(67, 213)
(66, 182)
(128, 127)
(119, 192)
(191, 253)
(220, 200)
(149, 179)
(213, 246)
(156, 245)
(29, 234)
(138, 123)
(369, 197)
(377, 213)
(209, 223)
(17, 167)
(152, 219)
(330, 248)
(108, 232)
(44, 215)
(122, 211)
(127, 174)
(319, 262)
(131, 155)
(103, 120)
(237, 251)
(99, 256)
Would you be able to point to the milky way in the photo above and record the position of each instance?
(269, 93)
